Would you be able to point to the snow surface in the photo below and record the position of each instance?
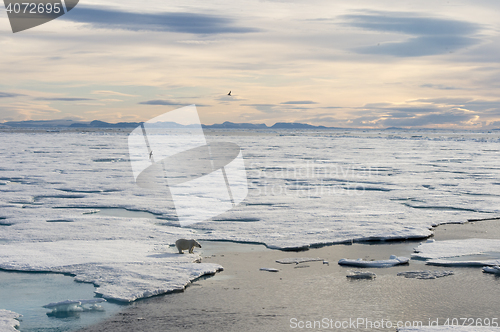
(392, 261)
(305, 189)
(8, 320)
(466, 252)
(426, 274)
(122, 270)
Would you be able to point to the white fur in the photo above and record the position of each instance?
(183, 244)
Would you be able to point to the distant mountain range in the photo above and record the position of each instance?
(278, 125)
(61, 124)
(102, 124)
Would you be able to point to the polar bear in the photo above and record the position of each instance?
(183, 244)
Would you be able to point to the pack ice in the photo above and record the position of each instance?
(75, 305)
(305, 188)
(466, 252)
(392, 261)
(9, 320)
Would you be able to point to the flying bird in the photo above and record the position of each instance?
(229, 93)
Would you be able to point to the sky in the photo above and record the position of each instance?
(354, 64)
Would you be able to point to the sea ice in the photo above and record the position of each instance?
(122, 270)
(75, 305)
(361, 275)
(68, 305)
(298, 260)
(466, 252)
(492, 269)
(393, 260)
(9, 321)
(426, 274)
(306, 189)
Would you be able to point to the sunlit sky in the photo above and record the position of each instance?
(364, 64)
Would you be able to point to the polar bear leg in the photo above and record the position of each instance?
(181, 245)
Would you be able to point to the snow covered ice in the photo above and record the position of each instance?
(75, 305)
(492, 269)
(298, 260)
(392, 261)
(306, 189)
(122, 270)
(8, 320)
(466, 252)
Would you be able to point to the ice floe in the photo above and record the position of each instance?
(121, 270)
(426, 274)
(492, 269)
(361, 275)
(298, 260)
(466, 252)
(75, 305)
(392, 261)
(9, 321)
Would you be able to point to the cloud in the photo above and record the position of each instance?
(495, 124)
(21, 111)
(162, 102)
(424, 35)
(483, 107)
(232, 98)
(447, 117)
(331, 107)
(111, 93)
(457, 101)
(167, 21)
(299, 102)
(282, 109)
(410, 24)
(429, 112)
(259, 105)
(91, 104)
(438, 87)
(10, 95)
(265, 108)
(421, 46)
(62, 99)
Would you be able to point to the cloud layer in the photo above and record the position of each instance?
(182, 22)
(370, 64)
(422, 35)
